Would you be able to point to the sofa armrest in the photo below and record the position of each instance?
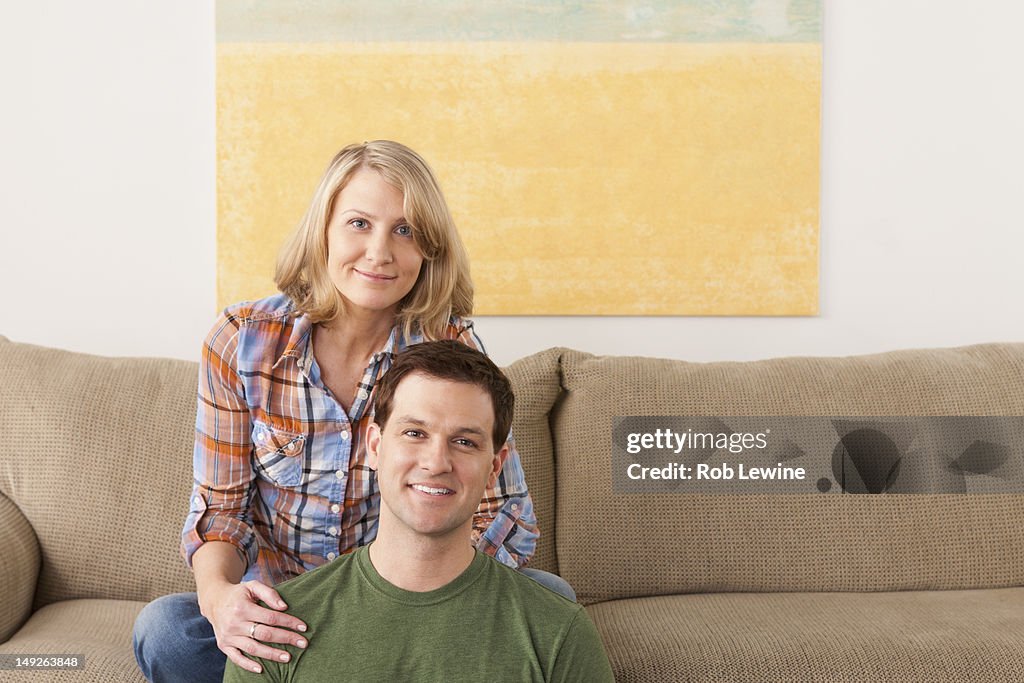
(19, 567)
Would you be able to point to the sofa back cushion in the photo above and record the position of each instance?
(617, 546)
(98, 457)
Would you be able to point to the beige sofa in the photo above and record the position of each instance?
(96, 469)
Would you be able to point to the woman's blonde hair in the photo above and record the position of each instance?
(443, 288)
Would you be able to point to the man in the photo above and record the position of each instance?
(420, 603)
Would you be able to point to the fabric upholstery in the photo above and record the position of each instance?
(97, 464)
(973, 635)
(99, 629)
(535, 381)
(616, 546)
(19, 567)
(99, 460)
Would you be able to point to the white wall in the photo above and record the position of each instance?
(108, 201)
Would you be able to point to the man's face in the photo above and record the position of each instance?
(435, 456)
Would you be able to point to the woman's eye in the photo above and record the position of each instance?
(358, 223)
(404, 230)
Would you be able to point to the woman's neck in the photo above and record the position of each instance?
(357, 334)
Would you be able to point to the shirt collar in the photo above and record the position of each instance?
(298, 342)
(298, 345)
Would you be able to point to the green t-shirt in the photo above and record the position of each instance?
(489, 624)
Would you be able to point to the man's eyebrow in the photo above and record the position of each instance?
(417, 422)
(470, 430)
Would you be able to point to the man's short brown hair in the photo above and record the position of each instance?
(455, 362)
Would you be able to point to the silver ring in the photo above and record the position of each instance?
(252, 630)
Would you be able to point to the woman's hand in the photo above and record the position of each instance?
(242, 625)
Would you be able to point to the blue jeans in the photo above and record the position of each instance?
(174, 642)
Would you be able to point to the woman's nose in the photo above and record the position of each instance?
(378, 249)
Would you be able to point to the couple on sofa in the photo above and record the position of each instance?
(326, 427)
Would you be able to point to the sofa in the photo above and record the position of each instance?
(96, 471)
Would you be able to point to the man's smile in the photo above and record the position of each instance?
(432, 490)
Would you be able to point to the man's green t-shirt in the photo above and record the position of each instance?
(489, 624)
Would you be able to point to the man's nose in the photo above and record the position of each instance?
(435, 458)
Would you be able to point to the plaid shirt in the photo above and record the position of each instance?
(280, 468)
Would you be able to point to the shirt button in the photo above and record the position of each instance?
(340, 474)
(198, 501)
(333, 531)
(514, 506)
(345, 435)
(363, 394)
(331, 556)
(335, 508)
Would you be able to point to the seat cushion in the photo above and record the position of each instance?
(975, 635)
(99, 629)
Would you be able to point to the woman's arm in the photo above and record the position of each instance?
(504, 524)
(222, 455)
(218, 539)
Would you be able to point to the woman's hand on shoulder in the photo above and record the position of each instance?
(242, 625)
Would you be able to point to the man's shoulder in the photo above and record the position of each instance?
(557, 630)
(521, 588)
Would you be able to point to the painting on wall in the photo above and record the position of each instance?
(613, 158)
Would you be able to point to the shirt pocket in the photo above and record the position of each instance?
(278, 454)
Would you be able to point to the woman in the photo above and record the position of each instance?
(281, 481)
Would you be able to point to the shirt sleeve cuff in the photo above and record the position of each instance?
(202, 527)
(508, 541)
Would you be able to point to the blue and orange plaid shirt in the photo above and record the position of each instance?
(280, 467)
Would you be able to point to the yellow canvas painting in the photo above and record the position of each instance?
(599, 158)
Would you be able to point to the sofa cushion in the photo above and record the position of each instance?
(99, 629)
(536, 383)
(19, 567)
(909, 636)
(98, 457)
(616, 545)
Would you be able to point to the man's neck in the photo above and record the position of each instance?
(420, 564)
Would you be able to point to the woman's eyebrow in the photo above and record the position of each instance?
(369, 215)
(361, 213)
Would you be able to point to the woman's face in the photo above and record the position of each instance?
(372, 258)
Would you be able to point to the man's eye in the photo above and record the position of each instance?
(414, 433)
(404, 230)
(466, 443)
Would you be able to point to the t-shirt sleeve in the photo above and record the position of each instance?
(272, 673)
(581, 656)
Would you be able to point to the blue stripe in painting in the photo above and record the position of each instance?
(650, 21)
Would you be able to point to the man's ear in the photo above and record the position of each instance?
(499, 461)
(372, 445)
